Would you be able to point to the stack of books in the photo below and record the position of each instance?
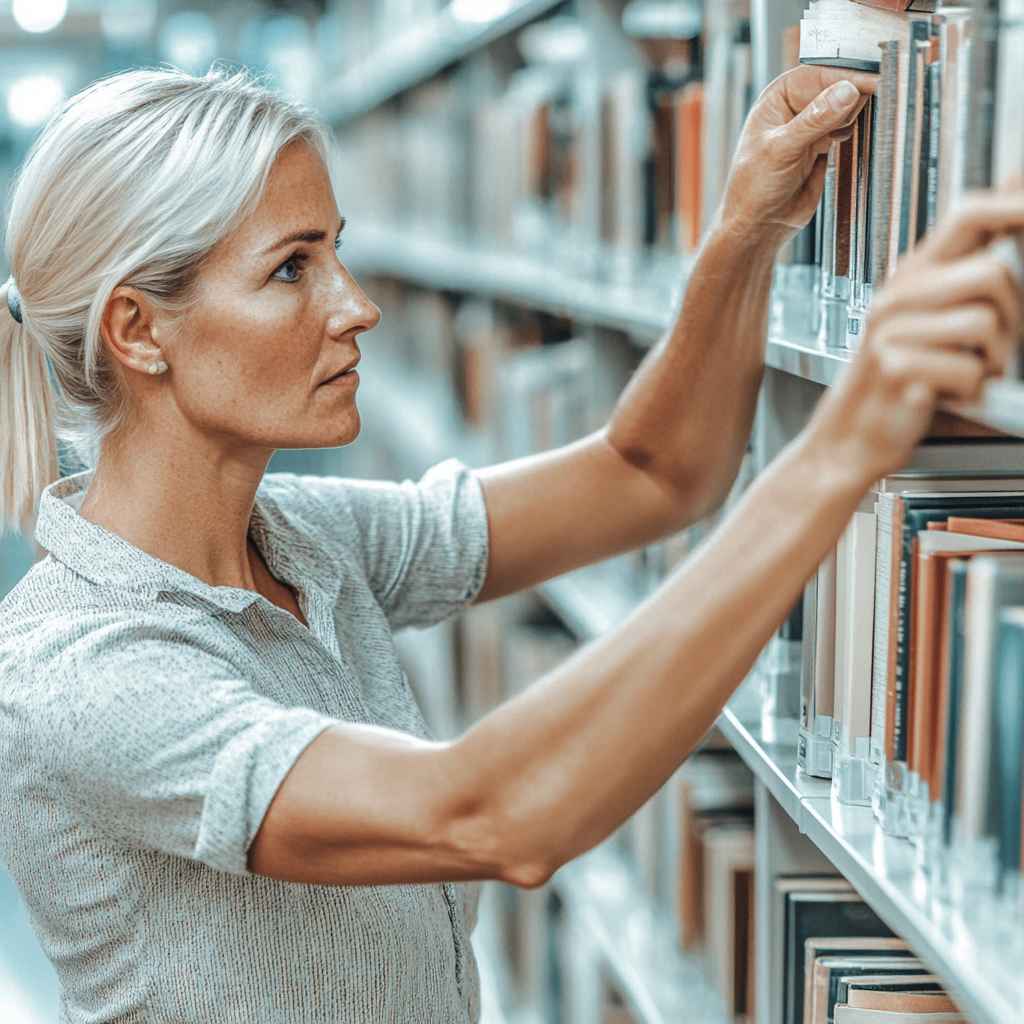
(839, 962)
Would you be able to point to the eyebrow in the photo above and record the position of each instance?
(309, 235)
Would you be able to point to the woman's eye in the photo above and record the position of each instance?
(287, 263)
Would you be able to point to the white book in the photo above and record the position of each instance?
(842, 33)
(855, 612)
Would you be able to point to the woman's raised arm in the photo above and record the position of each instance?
(559, 767)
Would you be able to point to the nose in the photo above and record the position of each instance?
(353, 310)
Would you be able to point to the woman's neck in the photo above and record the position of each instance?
(186, 501)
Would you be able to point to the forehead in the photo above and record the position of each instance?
(298, 196)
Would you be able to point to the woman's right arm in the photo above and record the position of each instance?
(556, 769)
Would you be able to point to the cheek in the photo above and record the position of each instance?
(242, 379)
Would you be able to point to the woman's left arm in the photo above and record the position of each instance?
(674, 442)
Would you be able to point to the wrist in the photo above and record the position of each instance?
(837, 463)
(750, 238)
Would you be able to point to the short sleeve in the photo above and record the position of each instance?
(424, 546)
(163, 746)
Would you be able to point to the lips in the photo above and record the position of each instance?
(347, 369)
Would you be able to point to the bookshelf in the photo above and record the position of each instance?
(800, 827)
(425, 47)
(643, 313)
(884, 870)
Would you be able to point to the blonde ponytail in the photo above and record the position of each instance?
(28, 444)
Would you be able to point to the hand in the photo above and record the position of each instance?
(949, 318)
(778, 172)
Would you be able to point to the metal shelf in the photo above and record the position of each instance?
(420, 52)
(660, 983)
(644, 313)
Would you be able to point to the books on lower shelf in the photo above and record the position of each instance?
(912, 674)
(835, 953)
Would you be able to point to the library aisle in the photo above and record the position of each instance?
(527, 187)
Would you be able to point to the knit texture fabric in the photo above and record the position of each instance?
(147, 719)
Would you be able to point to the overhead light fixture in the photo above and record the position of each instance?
(39, 15)
(32, 98)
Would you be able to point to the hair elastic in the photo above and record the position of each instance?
(14, 299)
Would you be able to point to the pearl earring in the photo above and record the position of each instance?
(158, 367)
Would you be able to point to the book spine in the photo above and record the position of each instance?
(880, 654)
(882, 172)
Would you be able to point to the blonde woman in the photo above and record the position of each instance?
(217, 796)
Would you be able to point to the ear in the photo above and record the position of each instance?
(129, 329)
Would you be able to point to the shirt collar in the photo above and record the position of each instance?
(107, 559)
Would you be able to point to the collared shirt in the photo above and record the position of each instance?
(147, 719)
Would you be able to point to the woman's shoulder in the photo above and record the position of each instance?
(56, 621)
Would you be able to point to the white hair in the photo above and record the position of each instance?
(133, 181)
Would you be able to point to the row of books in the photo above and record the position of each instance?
(840, 964)
(912, 689)
(945, 119)
(608, 159)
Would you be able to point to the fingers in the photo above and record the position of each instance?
(981, 278)
(971, 331)
(831, 111)
(799, 86)
(953, 376)
(982, 217)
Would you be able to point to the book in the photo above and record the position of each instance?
(841, 33)
(829, 971)
(856, 946)
(813, 908)
(994, 582)
(857, 1015)
(728, 914)
(817, 677)
(1007, 786)
(855, 582)
(914, 994)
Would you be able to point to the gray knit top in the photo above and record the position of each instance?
(147, 719)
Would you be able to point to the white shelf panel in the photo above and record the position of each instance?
(773, 763)
(419, 52)
(660, 984)
(643, 313)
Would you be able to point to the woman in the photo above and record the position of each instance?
(217, 794)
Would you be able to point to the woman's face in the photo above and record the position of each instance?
(274, 321)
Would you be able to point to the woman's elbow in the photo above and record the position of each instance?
(499, 838)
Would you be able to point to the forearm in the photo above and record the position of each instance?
(560, 766)
(685, 416)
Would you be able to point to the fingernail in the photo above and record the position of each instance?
(842, 96)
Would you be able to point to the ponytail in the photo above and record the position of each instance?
(28, 445)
